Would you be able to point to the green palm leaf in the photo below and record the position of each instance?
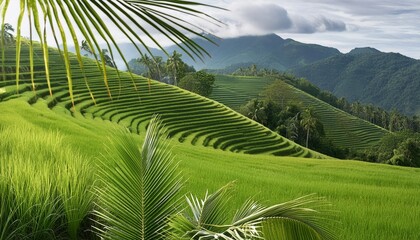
(303, 218)
(71, 20)
(140, 188)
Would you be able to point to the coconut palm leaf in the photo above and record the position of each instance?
(303, 218)
(73, 20)
(140, 187)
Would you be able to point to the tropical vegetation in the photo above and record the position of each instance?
(156, 68)
(199, 82)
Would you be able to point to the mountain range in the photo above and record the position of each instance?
(270, 51)
(388, 80)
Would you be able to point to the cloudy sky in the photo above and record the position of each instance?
(388, 25)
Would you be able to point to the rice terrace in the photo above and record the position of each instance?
(94, 145)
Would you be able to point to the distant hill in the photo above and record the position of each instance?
(387, 80)
(270, 51)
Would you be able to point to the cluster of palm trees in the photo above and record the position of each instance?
(289, 120)
(157, 69)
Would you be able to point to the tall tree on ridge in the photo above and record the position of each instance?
(173, 64)
(308, 122)
(8, 36)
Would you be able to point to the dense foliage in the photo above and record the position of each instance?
(402, 148)
(199, 82)
(292, 121)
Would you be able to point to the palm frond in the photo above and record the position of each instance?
(140, 187)
(71, 20)
(303, 218)
(307, 214)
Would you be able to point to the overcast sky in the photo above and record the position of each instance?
(388, 25)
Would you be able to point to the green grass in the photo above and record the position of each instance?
(44, 185)
(373, 201)
(342, 128)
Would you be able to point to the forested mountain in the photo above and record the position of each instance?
(388, 80)
(270, 51)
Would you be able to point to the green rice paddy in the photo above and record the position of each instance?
(209, 140)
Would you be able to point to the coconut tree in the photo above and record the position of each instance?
(85, 46)
(108, 60)
(308, 123)
(158, 67)
(71, 20)
(7, 36)
(146, 61)
(139, 200)
(173, 64)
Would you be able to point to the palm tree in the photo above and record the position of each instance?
(139, 200)
(109, 61)
(85, 46)
(158, 67)
(72, 20)
(308, 123)
(173, 63)
(255, 110)
(7, 36)
(146, 61)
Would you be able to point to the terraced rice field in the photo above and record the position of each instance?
(342, 128)
(188, 117)
(234, 91)
(373, 201)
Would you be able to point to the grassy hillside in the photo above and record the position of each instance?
(342, 128)
(388, 80)
(189, 118)
(373, 201)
